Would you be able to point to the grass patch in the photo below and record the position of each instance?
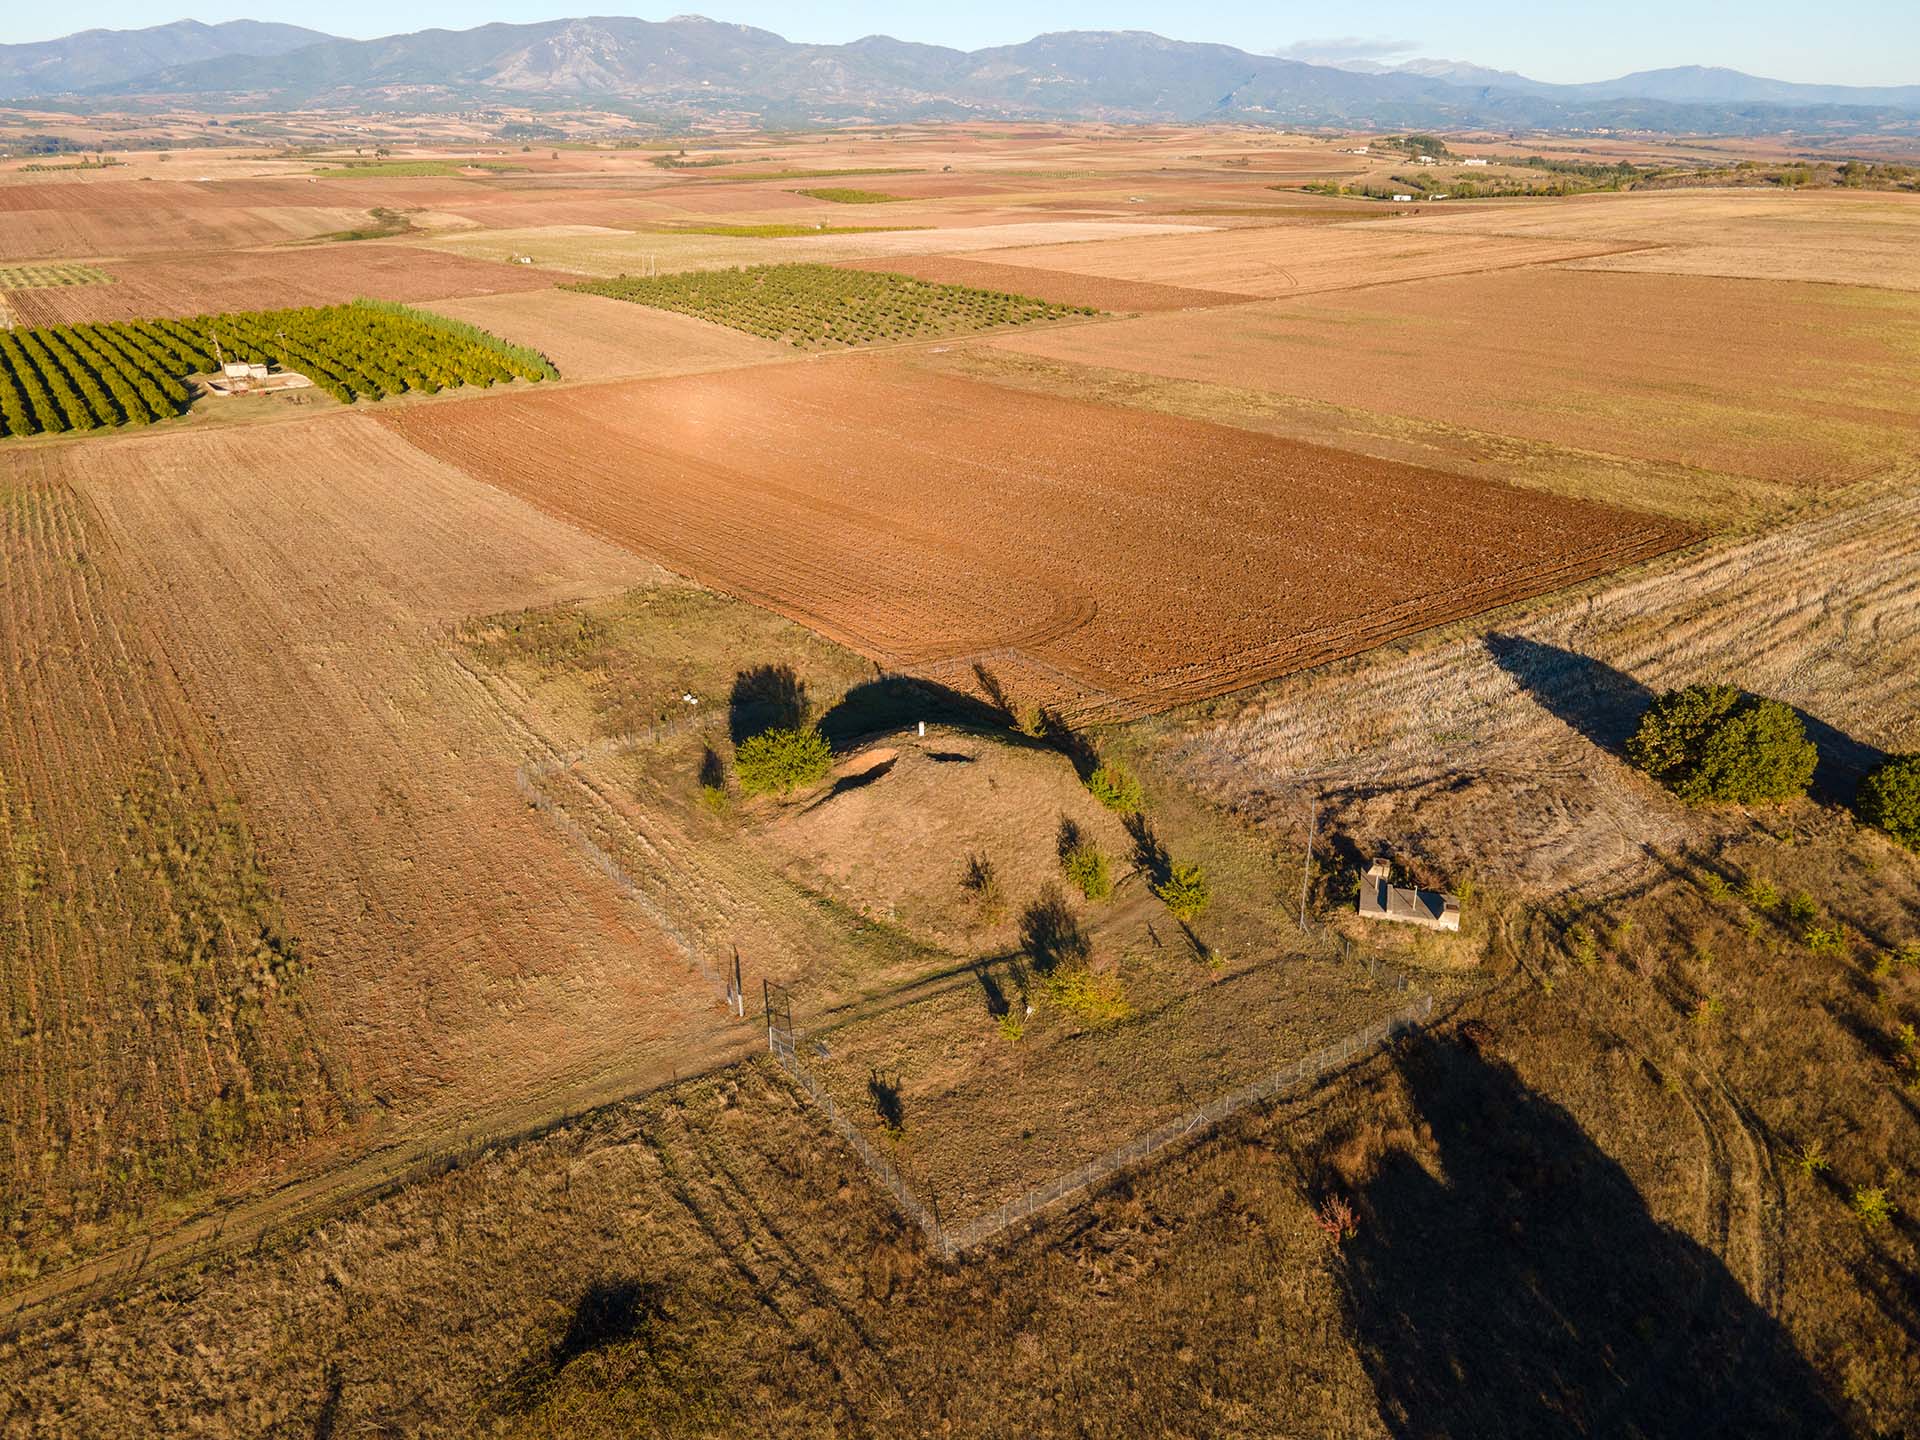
(386, 224)
(814, 307)
(417, 169)
(51, 276)
(841, 195)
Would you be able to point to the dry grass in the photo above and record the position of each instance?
(1808, 384)
(589, 337)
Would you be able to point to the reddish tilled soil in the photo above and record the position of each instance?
(271, 279)
(1137, 559)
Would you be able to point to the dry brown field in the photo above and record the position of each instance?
(273, 279)
(928, 520)
(1832, 237)
(591, 337)
(1058, 286)
(1270, 261)
(1807, 384)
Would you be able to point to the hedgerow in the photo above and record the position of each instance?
(819, 306)
(83, 377)
(1719, 743)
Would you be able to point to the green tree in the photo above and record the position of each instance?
(1717, 742)
(1185, 891)
(778, 762)
(1890, 798)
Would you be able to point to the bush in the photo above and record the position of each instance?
(1185, 891)
(1116, 787)
(1717, 742)
(1090, 998)
(1871, 1204)
(778, 762)
(1086, 868)
(1890, 799)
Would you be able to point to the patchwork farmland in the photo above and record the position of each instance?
(1117, 541)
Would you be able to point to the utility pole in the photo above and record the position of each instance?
(1306, 868)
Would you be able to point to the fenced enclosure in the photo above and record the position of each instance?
(783, 1042)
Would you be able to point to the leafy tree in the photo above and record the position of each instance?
(1085, 866)
(778, 762)
(1117, 788)
(1890, 798)
(1717, 742)
(1185, 891)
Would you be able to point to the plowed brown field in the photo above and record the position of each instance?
(930, 521)
(1809, 384)
(1275, 260)
(1061, 287)
(274, 279)
(304, 581)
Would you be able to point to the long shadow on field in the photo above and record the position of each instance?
(609, 1313)
(1605, 705)
(766, 697)
(896, 701)
(1519, 1286)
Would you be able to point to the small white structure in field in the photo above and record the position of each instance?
(1473, 160)
(1381, 899)
(236, 377)
(1403, 199)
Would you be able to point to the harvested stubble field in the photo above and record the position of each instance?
(53, 221)
(1294, 259)
(590, 337)
(269, 279)
(924, 519)
(1803, 384)
(1058, 286)
(302, 582)
(158, 1028)
(816, 307)
(1841, 239)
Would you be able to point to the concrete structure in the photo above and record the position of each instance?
(1473, 162)
(1381, 899)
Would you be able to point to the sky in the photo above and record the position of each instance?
(1841, 42)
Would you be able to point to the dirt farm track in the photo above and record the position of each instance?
(1109, 557)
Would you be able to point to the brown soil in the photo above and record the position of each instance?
(1294, 259)
(590, 337)
(1800, 383)
(273, 279)
(932, 521)
(1058, 286)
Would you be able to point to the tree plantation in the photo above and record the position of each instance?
(83, 377)
(816, 306)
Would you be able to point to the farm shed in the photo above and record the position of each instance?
(1381, 899)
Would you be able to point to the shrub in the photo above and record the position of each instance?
(1117, 788)
(980, 883)
(1871, 1204)
(1185, 891)
(1890, 799)
(778, 762)
(1336, 1220)
(1719, 743)
(1090, 998)
(1810, 1158)
(1086, 869)
(1760, 893)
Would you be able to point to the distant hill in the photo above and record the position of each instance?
(93, 58)
(689, 67)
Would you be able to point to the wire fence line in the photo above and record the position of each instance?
(950, 1240)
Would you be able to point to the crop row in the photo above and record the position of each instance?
(83, 377)
(816, 306)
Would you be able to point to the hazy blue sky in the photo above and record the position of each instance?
(1840, 42)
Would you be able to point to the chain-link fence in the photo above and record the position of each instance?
(952, 1240)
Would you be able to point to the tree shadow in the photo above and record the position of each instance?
(1605, 704)
(1518, 1286)
(1051, 934)
(1148, 853)
(895, 701)
(766, 697)
(610, 1312)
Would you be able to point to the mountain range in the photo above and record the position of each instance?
(689, 67)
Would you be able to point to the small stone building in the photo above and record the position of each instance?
(1381, 899)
